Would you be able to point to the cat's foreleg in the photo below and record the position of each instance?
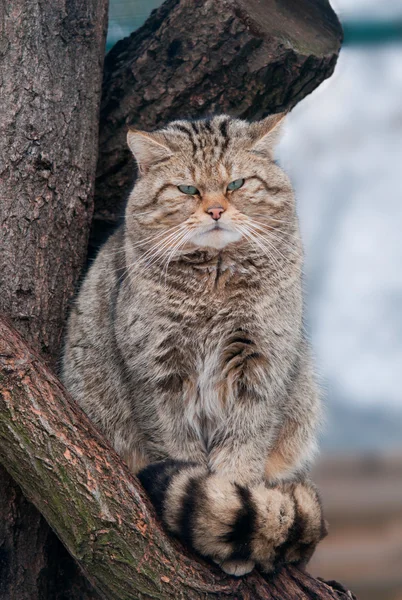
(283, 517)
(289, 460)
(269, 446)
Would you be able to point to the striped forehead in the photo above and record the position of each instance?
(206, 142)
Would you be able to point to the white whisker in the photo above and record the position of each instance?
(147, 212)
(278, 235)
(187, 235)
(154, 252)
(148, 239)
(269, 218)
(266, 243)
(271, 245)
(251, 236)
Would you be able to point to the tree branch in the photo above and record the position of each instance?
(95, 505)
(246, 58)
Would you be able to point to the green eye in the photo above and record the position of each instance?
(188, 189)
(235, 185)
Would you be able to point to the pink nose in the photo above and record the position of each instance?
(216, 212)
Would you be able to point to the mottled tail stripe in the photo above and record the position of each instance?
(226, 521)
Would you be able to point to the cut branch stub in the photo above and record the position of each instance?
(246, 58)
(95, 505)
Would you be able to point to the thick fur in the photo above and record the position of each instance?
(235, 525)
(186, 345)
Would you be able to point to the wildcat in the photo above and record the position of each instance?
(186, 344)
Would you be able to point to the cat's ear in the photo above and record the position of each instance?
(148, 148)
(266, 133)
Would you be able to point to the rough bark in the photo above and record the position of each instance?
(34, 565)
(96, 506)
(51, 56)
(50, 74)
(191, 59)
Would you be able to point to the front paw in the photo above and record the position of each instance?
(274, 519)
(309, 526)
(238, 568)
(239, 527)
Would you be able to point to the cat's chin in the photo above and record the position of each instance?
(216, 238)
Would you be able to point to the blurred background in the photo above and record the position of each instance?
(343, 150)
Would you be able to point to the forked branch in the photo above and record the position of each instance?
(96, 506)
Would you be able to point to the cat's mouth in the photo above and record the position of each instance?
(216, 236)
(216, 227)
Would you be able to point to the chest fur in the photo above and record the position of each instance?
(230, 370)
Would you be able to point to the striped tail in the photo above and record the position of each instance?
(235, 526)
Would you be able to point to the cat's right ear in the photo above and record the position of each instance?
(148, 148)
(266, 133)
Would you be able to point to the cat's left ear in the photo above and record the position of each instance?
(266, 133)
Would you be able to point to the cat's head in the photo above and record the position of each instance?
(208, 184)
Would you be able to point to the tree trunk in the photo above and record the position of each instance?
(96, 506)
(51, 71)
(247, 58)
(50, 80)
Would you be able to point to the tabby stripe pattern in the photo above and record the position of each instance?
(230, 522)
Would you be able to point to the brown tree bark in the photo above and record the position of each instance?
(50, 73)
(96, 506)
(51, 56)
(34, 565)
(247, 58)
